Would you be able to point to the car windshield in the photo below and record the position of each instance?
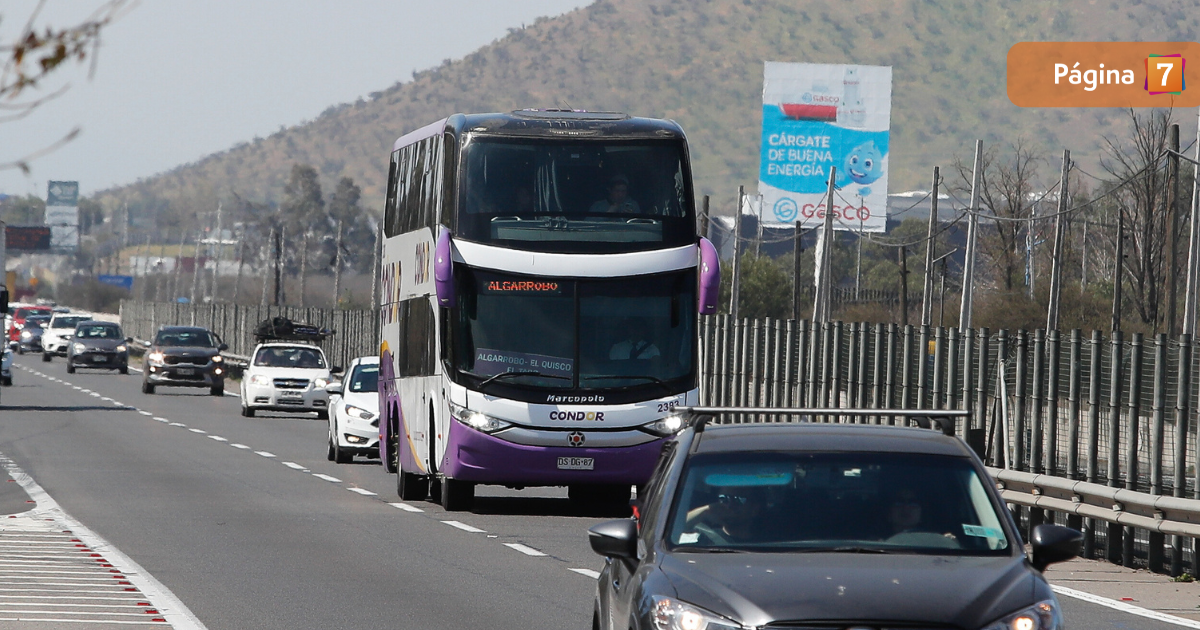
(588, 334)
(97, 332)
(885, 502)
(289, 357)
(39, 321)
(191, 338)
(576, 196)
(67, 322)
(365, 378)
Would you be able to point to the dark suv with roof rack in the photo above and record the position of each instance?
(813, 525)
(184, 356)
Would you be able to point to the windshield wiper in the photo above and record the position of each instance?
(496, 377)
(653, 379)
(846, 549)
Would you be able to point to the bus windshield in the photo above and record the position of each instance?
(576, 196)
(585, 334)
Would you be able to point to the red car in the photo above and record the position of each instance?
(18, 319)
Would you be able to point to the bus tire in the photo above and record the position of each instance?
(392, 463)
(457, 495)
(410, 486)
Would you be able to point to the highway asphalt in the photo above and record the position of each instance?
(249, 526)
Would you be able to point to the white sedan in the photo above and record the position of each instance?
(354, 412)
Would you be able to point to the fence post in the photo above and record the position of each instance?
(1131, 441)
(1002, 436)
(852, 369)
(1074, 521)
(863, 341)
(968, 372)
(803, 349)
(1037, 429)
(906, 371)
(877, 372)
(1155, 555)
(754, 370)
(890, 393)
(939, 369)
(835, 369)
(979, 437)
(952, 369)
(1052, 395)
(1113, 542)
(1095, 366)
(1019, 392)
(923, 368)
(1182, 416)
(781, 354)
(814, 362)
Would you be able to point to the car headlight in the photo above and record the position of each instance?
(260, 379)
(672, 614)
(25, 334)
(359, 412)
(478, 421)
(665, 427)
(217, 358)
(1043, 615)
(121, 348)
(80, 347)
(156, 357)
(320, 383)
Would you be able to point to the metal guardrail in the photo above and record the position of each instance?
(1156, 513)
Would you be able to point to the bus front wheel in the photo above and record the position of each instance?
(411, 487)
(457, 495)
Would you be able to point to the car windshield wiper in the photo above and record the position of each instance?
(496, 377)
(845, 549)
(646, 377)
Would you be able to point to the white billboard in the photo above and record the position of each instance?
(62, 214)
(819, 116)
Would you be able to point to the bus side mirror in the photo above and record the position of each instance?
(443, 270)
(710, 278)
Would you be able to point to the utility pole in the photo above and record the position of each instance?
(220, 249)
(903, 285)
(379, 244)
(1173, 235)
(1116, 310)
(737, 253)
(821, 301)
(196, 268)
(1193, 277)
(964, 315)
(797, 251)
(241, 254)
(337, 266)
(267, 267)
(1083, 266)
(178, 266)
(1055, 263)
(927, 291)
(303, 265)
(756, 206)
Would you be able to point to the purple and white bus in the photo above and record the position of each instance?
(542, 279)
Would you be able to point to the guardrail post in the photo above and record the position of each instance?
(1182, 416)
(1156, 539)
(1019, 392)
(1113, 542)
(1131, 439)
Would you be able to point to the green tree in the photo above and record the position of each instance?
(765, 291)
(358, 237)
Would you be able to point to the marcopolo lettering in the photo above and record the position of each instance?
(578, 416)
(555, 398)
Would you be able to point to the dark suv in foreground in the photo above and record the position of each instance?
(807, 525)
(184, 356)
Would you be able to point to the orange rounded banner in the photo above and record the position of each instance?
(1104, 74)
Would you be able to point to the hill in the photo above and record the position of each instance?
(700, 63)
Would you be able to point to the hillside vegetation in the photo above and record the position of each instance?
(700, 63)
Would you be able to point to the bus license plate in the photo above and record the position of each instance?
(576, 463)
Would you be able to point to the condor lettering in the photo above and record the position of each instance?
(578, 416)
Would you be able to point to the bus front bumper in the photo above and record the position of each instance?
(482, 458)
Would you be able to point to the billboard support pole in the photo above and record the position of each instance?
(1193, 273)
(821, 305)
(964, 316)
(927, 291)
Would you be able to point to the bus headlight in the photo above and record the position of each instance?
(478, 421)
(665, 427)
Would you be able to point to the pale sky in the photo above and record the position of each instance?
(177, 80)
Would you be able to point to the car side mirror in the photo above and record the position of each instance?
(337, 369)
(223, 347)
(147, 344)
(334, 388)
(1054, 543)
(615, 539)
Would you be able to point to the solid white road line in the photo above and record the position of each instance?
(1125, 607)
(406, 507)
(529, 551)
(464, 527)
(587, 572)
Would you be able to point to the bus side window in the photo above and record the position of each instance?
(449, 178)
(391, 221)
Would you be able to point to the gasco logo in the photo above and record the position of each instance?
(578, 416)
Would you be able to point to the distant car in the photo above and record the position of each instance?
(30, 337)
(184, 356)
(286, 376)
(17, 320)
(6, 359)
(812, 525)
(99, 345)
(56, 338)
(354, 412)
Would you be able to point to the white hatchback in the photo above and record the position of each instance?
(354, 412)
(286, 376)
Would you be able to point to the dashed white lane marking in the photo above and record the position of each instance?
(406, 507)
(178, 424)
(327, 478)
(241, 446)
(130, 587)
(294, 466)
(198, 431)
(364, 492)
(144, 412)
(264, 453)
(1125, 607)
(587, 572)
(217, 438)
(464, 527)
(529, 551)
(161, 419)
